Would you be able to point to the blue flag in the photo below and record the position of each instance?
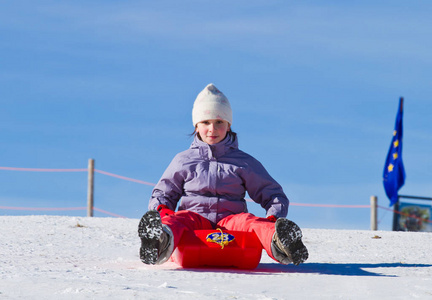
(394, 173)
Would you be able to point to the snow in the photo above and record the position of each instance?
(58, 257)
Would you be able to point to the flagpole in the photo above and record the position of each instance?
(395, 215)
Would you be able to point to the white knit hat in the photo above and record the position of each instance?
(211, 104)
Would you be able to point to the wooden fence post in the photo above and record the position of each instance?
(90, 188)
(374, 213)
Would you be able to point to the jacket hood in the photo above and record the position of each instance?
(229, 143)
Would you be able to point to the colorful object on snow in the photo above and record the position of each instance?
(195, 251)
(394, 172)
(220, 238)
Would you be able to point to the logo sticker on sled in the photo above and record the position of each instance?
(220, 238)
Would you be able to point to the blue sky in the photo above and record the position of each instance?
(314, 87)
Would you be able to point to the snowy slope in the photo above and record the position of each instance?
(49, 257)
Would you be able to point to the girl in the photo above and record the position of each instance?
(210, 180)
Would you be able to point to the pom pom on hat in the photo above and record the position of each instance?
(211, 104)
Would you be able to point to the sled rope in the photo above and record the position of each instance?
(220, 240)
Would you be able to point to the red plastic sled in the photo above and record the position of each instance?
(209, 248)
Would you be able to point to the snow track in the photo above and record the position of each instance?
(49, 257)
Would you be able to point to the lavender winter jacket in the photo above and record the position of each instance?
(212, 180)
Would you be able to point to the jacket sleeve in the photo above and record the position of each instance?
(264, 190)
(169, 189)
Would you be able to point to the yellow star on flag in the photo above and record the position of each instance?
(390, 167)
(395, 155)
(396, 143)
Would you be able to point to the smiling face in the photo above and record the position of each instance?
(212, 131)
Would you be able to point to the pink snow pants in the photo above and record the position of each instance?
(185, 220)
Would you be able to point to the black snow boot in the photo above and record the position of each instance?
(287, 246)
(156, 239)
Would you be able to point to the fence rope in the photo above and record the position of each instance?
(108, 213)
(124, 178)
(329, 205)
(42, 208)
(153, 184)
(76, 170)
(41, 170)
(60, 209)
(405, 214)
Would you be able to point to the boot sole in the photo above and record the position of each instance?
(290, 236)
(150, 231)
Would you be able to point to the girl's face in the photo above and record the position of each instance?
(212, 131)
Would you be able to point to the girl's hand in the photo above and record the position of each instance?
(164, 210)
(272, 218)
